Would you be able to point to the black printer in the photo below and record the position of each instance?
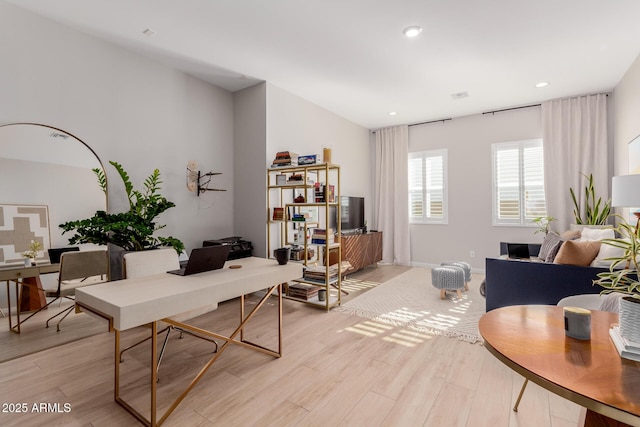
(239, 248)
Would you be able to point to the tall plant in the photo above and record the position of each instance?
(132, 230)
(623, 273)
(596, 212)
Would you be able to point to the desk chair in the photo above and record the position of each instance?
(78, 269)
(157, 261)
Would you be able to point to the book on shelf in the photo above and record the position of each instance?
(324, 193)
(285, 158)
(321, 236)
(626, 348)
(302, 291)
(316, 241)
(319, 273)
(278, 214)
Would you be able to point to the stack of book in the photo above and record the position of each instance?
(278, 214)
(317, 274)
(285, 158)
(321, 236)
(626, 349)
(302, 291)
(324, 193)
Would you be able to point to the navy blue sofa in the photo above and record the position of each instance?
(512, 282)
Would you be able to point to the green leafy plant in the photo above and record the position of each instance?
(132, 230)
(596, 212)
(625, 279)
(34, 247)
(543, 223)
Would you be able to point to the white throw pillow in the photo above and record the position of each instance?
(607, 251)
(596, 234)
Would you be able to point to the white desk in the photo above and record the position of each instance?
(147, 300)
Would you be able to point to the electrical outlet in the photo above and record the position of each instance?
(472, 254)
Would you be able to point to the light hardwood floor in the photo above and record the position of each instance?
(337, 370)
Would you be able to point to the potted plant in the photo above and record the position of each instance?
(596, 212)
(31, 255)
(132, 230)
(543, 223)
(623, 277)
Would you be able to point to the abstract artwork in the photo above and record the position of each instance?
(19, 225)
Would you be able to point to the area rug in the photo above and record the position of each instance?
(409, 300)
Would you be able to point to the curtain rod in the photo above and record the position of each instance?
(500, 111)
(538, 105)
(512, 108)
(421, 123)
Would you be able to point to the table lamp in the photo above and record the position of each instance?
(625, 193)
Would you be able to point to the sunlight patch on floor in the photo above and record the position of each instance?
(353, 285)
(389, 333)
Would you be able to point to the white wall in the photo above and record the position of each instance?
(250, 122)
(627, 117)
(294, 124)
(297, 125)
(126, 108)
(468, 141)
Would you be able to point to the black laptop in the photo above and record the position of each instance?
(204, 259)
(518, 251)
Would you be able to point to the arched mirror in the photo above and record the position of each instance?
(46, 179)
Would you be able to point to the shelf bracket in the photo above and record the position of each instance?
(203, 187)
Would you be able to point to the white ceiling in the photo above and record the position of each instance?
(350, 57)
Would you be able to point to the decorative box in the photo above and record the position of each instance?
(307, 160)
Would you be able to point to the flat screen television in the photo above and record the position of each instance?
(351, 213)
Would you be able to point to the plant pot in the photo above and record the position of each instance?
(630, 318)
(581, 226)
(282, 255)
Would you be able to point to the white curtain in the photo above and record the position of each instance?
(575, 143)
(391, 211)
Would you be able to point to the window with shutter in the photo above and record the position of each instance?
(428, 187)
(518, 182)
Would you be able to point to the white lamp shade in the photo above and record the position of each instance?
(625, 191)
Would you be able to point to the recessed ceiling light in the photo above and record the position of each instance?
(149, 32)
(460, 95)
(542, 84)
(412, 31)
(392, 113)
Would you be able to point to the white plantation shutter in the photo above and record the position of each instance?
(518, 191)
(533, 172)
(427, 187)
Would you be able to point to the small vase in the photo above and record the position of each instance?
(282, 255)
(27, 262)
(630, 318)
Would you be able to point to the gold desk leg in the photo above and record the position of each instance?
(280, 318)
(154, 421)
(524, 385)
(116, 370)
(154, 370)
(228, 341)
(14, 328)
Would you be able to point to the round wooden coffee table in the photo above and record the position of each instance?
(531, 341)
